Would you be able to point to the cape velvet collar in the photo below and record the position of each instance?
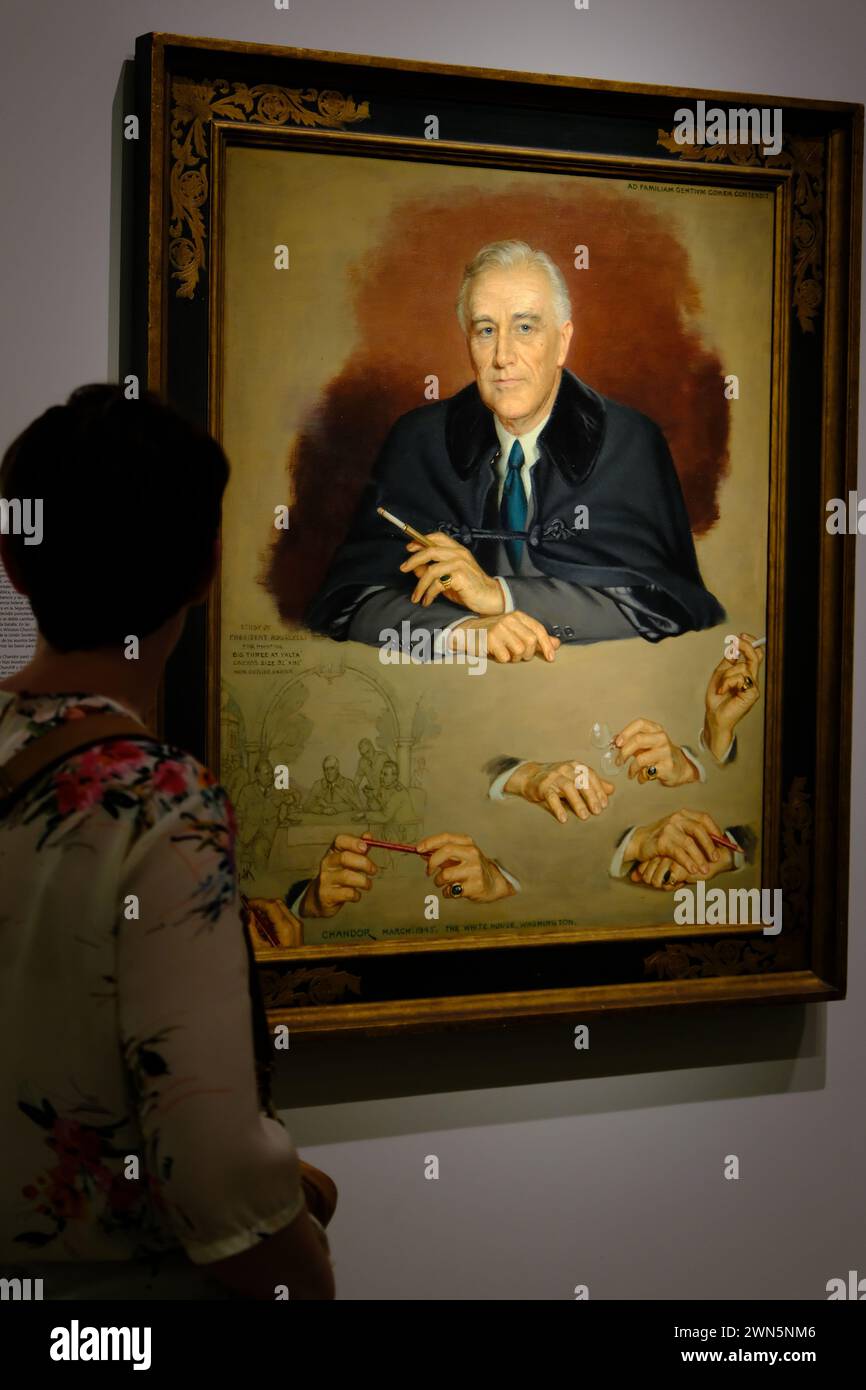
(571, 438)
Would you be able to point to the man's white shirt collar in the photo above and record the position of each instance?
(528, 442)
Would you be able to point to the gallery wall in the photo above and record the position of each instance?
(557, 1167)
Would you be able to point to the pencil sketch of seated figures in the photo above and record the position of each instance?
(388, 809)
(371, 760)
(397, 814)
(354, 748)
(259, 810)
(333, 794)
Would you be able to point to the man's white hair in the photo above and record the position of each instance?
(505, 255)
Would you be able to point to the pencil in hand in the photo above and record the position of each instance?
(403, 526)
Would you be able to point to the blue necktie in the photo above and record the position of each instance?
(512, 509)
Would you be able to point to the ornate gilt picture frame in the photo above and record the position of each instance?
(723, 307)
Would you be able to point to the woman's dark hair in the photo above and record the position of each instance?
(131, 495)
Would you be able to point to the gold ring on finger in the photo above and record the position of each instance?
(445, 581)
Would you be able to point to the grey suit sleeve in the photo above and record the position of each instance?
(496, 766)
(570, 611)
(388, 608)
(745, 838)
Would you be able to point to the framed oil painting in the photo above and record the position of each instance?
(528, 664)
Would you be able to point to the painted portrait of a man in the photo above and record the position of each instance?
(587, 514)
(553, 513)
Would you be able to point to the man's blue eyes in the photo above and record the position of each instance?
(487, 329)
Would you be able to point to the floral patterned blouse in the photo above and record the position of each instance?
(132, 1129)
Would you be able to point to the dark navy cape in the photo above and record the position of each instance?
(436, 471)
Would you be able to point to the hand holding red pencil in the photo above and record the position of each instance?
(691, 840)
(462, 870)
(665, 873)
(395, 845)
(457, 866)
(455, 863)
(345, 872)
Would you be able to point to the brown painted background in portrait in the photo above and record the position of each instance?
(637, 339)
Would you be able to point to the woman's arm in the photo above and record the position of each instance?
(224, 1175)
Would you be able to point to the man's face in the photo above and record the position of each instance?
(515, 345)
(388, 776)
(331, 769)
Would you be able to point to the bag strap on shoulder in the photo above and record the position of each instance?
(60, 743)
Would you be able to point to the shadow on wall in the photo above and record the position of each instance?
(367, 1088)
(634, 340)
